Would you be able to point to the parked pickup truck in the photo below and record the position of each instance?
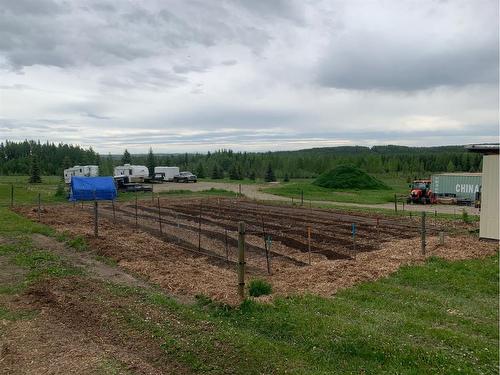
(185, 177)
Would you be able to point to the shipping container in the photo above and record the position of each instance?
(457, 185)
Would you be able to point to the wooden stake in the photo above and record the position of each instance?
(199, 229)
(226, 244)
(159, 215)
(353, 230)
(395, 203)
(309, 243)
(136, 224)
(11, 195)
(423, 233)
(302, 197)
(39, 208)
(239, 190)
(265, 246)
(241, 260)
(96, 220)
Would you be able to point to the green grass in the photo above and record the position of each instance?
(26, 193)
(318, 193)
(397, 185)
(438, 318)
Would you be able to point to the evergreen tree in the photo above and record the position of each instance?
(252, 176)
(35, 177)
(200, 170)
(269, 177)
(216, 172)
(108, 169)
(151, 162)
(66, 163)
(450, 167)
(126, 158)
(286, 178)
(235, 172)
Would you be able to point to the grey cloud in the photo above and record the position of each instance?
(94, 34)
(150, 78)
(229, 62)
(367, 62)
(36, 7)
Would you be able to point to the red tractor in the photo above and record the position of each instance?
(421, 192)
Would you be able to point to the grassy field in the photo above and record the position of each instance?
(26, 193)
(439, 318)
(291, 189)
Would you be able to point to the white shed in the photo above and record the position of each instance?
(490, 205)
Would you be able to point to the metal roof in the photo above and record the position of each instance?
(485, 148)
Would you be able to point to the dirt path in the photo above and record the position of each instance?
(253, 191)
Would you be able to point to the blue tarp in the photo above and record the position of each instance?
(92, 188)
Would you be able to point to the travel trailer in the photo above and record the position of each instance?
(81, 170)
(131, 173)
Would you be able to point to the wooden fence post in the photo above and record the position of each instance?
(11, 195)
(39, 208)
(241, 260)
(395, 203)
(239, 190)
(302, 197)
(159, 215)
(423, 233)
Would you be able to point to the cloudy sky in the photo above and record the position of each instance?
(198, 75)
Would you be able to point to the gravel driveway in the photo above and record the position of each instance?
(252, 191)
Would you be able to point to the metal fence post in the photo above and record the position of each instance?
(96, 220)
(136, 224)
(159, 215)
(241, 259)
(309, 243)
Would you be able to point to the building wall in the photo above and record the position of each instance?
(489, 198)
(460, 185)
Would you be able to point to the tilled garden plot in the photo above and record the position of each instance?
(195, 250)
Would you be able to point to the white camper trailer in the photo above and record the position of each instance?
(168, 173)
(134, 173)
(80, 170)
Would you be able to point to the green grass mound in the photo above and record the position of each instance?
(259, 288)
(348, 177)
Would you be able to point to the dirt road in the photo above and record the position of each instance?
(253, 191)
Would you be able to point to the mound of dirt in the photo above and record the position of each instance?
(348, 177)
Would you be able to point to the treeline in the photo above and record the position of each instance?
(409, 161)
(15, 158)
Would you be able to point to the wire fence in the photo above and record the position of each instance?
(288, 235)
